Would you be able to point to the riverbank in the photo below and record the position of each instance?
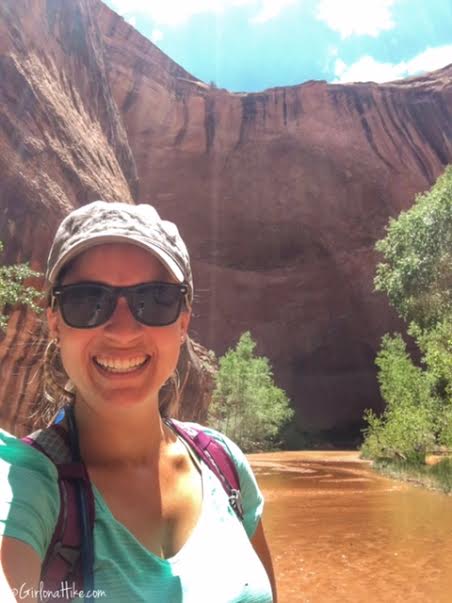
(434, 475)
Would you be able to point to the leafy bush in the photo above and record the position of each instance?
(417, 277)
(247, 406)
(436, 347)
(401, 382)
(406, 428)
(13, 291)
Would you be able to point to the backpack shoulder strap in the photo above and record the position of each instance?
(216, 458)
(62, 562)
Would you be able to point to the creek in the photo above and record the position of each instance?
(340, 532)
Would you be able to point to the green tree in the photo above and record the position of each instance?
(247, 405)
(416, 274)
(417, 271)
(406, 428)
(13, 289)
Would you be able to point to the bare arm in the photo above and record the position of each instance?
(20, 570)
(259, 542)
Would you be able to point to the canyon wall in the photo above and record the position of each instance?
(62, 144)
(280, 195)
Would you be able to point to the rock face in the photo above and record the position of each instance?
(280, 195)
(62, 144)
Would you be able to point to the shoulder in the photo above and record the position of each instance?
(15, 454)
(238, 456)
(29, 493)
(231, 447)
(253, 500)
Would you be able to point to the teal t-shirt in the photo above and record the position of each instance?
(217, 564)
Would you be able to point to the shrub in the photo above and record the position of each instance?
(13, 290)
(416, 274)
(247, 405)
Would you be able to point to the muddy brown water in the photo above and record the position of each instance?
(338, 531)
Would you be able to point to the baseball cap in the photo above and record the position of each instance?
(101, 222)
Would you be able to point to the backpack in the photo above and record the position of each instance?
(69, 561)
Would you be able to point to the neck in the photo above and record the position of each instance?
(129, 437)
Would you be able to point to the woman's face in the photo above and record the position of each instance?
(121, 362)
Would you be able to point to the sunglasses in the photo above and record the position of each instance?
(89, 305)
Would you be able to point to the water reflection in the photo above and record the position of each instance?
(339, 532)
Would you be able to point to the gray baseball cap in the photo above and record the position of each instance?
(101, 222)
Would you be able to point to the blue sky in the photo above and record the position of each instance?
(250, 45)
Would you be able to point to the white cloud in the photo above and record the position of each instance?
(430, 59)
(367, 69)
(156, 35)
(270, 9)
(339, 67)
(176, 12)
(132, 20)
(332, 51)
(356, 17)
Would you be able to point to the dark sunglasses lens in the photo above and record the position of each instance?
(85, 306)
(157, 304)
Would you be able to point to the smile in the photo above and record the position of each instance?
(121, 365)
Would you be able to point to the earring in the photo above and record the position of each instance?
(51, 349)
(52, 388)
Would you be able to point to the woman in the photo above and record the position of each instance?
(120, 304)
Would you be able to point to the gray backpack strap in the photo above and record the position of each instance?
(52, 442)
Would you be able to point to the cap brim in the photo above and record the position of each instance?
(170, 264)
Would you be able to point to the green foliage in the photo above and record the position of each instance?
(445, 427)
(401, 382)
(13, 291)
(417, 277)
(436, 346)
(247, 406)
(417, 272)
(405, 430)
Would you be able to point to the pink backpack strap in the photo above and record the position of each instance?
(62, 563)
(216, 458)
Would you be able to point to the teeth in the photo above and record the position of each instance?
(121, 365)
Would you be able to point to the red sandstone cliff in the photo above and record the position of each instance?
(281, 195)
(62, 143)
